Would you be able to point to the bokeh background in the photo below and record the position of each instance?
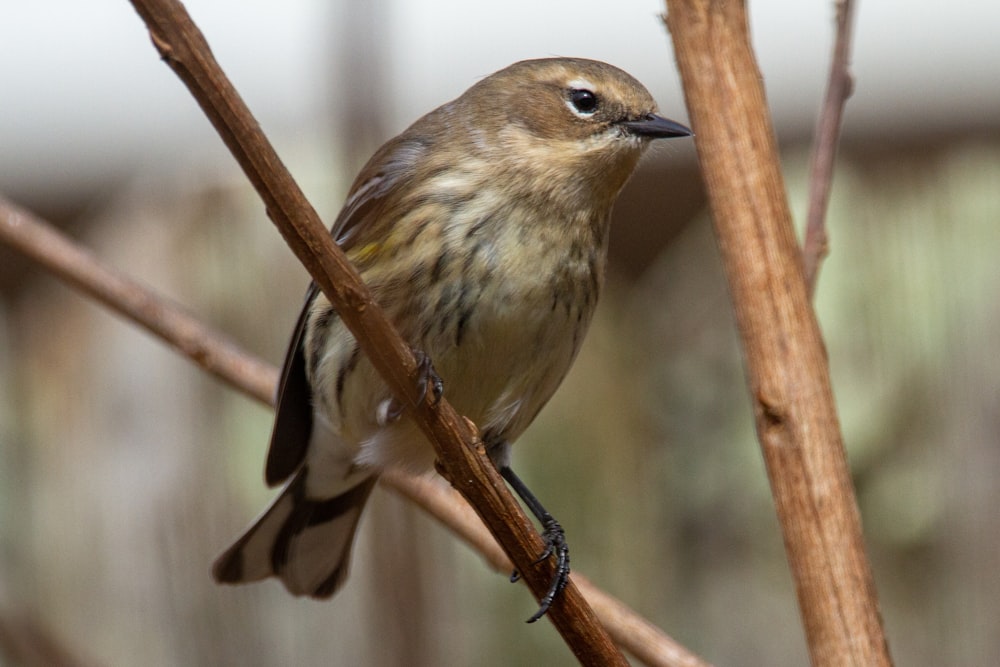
(124, 470)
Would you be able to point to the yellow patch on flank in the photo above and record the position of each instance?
(368, 251)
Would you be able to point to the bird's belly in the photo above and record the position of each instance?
(509, 363)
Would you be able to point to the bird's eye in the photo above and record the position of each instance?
(583, 101)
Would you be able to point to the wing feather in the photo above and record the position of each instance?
(385, 173)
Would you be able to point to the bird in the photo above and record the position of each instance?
(482, 231)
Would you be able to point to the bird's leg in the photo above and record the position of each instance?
(555, 542)
(427, 381)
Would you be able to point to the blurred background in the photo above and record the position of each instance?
(124, 470)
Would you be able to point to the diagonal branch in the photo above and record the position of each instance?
(455, 440)
(839, 88)
(70, 262)
(630, 631)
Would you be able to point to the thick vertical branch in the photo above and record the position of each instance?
(838, 89)
(785, 358)
(454, 438)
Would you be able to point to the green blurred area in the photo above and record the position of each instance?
(123, 470)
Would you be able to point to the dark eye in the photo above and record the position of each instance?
(584, 101)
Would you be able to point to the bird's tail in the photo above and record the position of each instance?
(303, 541)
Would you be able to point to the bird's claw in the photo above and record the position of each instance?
(427, 378)
(427, 381)
(555, 545)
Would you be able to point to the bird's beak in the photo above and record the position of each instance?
(656, 127)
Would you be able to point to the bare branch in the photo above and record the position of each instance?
(839, 88)
(786, 364)
(69, 261)
(631, 631)
(455, 439)
(207, 348)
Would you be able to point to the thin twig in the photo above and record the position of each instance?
(839, 87)
(67, 260)
(209, 349)
(785, 359)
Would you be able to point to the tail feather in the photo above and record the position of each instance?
(304, 542)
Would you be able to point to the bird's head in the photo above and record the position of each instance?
(565, 118)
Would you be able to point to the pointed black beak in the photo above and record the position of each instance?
(656, 127)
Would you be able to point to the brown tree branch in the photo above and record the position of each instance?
(630, 630)
(839, 88)
(455, 440)
(786, 364)
(209, 349)
(80, 269)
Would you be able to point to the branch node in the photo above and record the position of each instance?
(164, 48)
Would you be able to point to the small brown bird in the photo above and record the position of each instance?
(482, 231)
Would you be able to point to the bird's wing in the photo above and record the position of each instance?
(385, 173)
(293, 419)
(388, 171)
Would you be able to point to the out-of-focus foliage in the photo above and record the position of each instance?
(124, 470)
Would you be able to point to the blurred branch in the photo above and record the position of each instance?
(209, 349)
(38, 240)
(839, 88)
(455, 440)
(25, 642)
(785, 358)
(631, 631)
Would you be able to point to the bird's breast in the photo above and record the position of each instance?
(512, 303)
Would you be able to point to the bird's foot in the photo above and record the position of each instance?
(555, 545)
(428, 381)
